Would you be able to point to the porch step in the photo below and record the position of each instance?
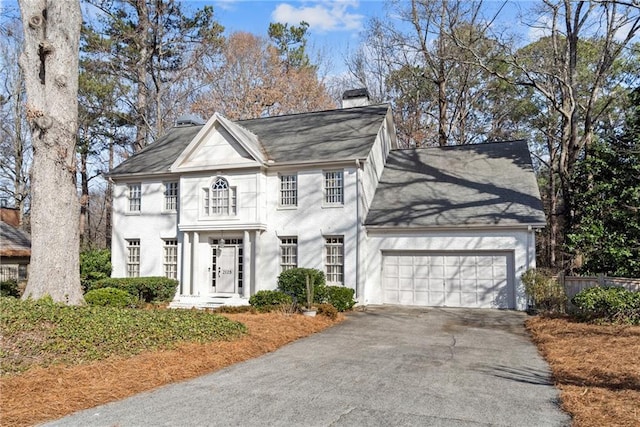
(209, 301)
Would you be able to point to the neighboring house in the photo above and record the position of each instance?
(15, 247)
(225, 207)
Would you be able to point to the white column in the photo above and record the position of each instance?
(185, 267)
(247, 264)
(195, 286)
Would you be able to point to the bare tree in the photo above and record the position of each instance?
(15, 147)
(49, 63)
(578, 71)
(439, 95)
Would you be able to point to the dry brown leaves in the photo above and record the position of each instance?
(42, 394)
(596, 367)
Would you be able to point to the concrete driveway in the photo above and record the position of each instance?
(386, 366)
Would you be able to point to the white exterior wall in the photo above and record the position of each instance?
(249, 197)
(519, 242)
(151, 225)
(311, 221)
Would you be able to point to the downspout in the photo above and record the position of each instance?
(357, 290)
(529, 229)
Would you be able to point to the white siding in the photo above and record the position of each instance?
(151, 225)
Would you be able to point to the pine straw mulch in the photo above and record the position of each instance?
(42, 394)
(596, 367)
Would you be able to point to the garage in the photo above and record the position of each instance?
(448, 279)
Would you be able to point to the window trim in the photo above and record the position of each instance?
(207, 205)
(325, 193)
(168, 197)
(130, 200)
(288, 243)
(294, 190)
(328, 244)
(132, 263)
(173, 262)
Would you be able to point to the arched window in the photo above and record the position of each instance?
(221, 199)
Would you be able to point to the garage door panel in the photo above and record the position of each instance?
(405, 284)
(448, 279)
(422, 272)
(405, 271)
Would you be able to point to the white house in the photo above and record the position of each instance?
(225, 206)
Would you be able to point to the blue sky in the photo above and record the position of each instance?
(335, 25)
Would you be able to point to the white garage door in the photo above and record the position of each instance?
(448, 279)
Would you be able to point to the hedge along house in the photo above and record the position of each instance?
(225, 206)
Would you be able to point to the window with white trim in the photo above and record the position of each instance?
(333, 187)
(220, 199)
(171, 196)
(170, 258)
(134, 196)
(334, 259)
(288, 253)
(133, 258)
(288, 190)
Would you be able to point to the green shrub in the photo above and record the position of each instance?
(9, 288)
(47, 333)
(95, 264)
(264, 300)
(147, 289)
(340, 297)
(293, 282)
(608, 304)
(328, 310)
(110, 297)
(545, 293)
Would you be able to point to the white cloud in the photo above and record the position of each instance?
(226, 4)
(322, 16)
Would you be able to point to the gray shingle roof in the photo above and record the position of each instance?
(470, 185)
(320, 136)
(15, 242)
(159, 156)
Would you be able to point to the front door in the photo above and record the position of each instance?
(226, 266)
(224, 280)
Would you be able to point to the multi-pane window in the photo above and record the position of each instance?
(170, 259)
(334, 261)
(288, 253)
(133, 258)
(134, 196)
(171, 196)
(333, 187)
(288, 190)
(220, 199)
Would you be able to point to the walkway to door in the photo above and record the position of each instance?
(385, 366)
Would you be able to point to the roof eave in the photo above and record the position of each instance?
(404, 228)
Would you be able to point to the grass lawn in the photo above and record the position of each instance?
(57, 360)
(596, 368)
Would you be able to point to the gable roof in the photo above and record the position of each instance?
(247, 140)
(469, 185)
(332, 135)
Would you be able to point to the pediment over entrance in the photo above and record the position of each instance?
(220, 144)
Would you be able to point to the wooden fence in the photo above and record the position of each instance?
(574, 284)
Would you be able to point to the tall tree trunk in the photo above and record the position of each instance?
(50, 65)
